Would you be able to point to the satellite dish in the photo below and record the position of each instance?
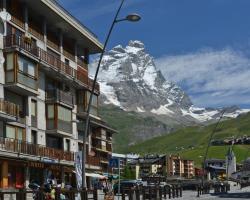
(5, 16)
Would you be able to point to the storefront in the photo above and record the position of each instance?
(12, 174)
(16, 174)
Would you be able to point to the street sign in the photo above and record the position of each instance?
(114, 162)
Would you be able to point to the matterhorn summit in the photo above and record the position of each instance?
(129, 79)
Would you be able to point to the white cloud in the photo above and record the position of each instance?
(210, 77)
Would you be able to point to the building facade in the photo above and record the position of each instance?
(178, 167)
(44, 92)
(149, 165)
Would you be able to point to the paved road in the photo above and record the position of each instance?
(235, 194)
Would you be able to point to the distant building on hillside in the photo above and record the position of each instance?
(178, 167)
(216, 168)
(124, 160)
(149, 165)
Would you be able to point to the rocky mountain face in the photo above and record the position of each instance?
(129, 79)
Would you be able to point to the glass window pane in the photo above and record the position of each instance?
(33, 108)
(26, 66)
(10, 132)
(10, 64)
(64, 114)
(50, 111)
(19, 134)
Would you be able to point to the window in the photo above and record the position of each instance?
(50, 112)
(59, 117)
(33, 107)
(10, 63)
(33, 137)
(10, 132)
(27, 67)
(67, 145)
(83, 100)
(64, 114)
(15, 132)
(54, 142)
(66, 62)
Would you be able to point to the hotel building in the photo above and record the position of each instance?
(44, 91)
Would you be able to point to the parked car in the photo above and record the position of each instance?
(125, 184)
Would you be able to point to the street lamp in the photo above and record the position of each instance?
(132, 18)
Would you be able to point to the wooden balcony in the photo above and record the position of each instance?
(59, 96)
(17, 21)
(95, 161)
(68, 55)
(35, 33)
(82, 63)
(14, 41)
(53, 45)
(9, 108)
(22, 147)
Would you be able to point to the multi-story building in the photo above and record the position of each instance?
(44, 91)
(149, 165)
(178, 167)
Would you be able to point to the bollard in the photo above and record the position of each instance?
(161, 192)
(131, 194)
(173, 191)
(198, 192)
(95, 194)
(123, 195)
(137, 193)
(177, 191)
(165, 192)
(180, 191)
(143, 193)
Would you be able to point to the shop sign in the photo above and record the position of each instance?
(46, 160)
(36, 164)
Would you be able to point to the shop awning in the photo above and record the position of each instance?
(96, 175)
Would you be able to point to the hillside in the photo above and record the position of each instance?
(132, 127)
(191, 142)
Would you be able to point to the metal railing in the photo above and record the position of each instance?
(19, 146)
(9, 108)
(24, 43)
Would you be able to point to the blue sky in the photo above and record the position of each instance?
(202, 45)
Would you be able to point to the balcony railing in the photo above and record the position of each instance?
(17, 21)
(24, 43)
(95, 161)
(59, 95)
(35, 33)
(82, 63)
(68, 55)
(18, 146)
(9, 108)
(53, 45)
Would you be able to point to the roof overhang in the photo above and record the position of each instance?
(59, 19)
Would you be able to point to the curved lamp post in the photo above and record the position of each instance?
(132, 18)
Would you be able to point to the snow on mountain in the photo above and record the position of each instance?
(129, 79)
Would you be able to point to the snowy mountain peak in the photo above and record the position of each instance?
(136, 44)
(129, 79)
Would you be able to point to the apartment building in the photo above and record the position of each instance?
(149, 165)
(44, 92)
(178, 167)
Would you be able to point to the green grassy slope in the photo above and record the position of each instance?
(191, 142)
(131, 126)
